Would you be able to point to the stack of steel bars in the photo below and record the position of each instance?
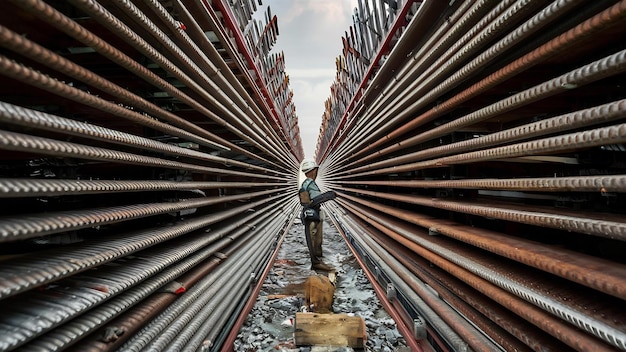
(145, 180)
(481, 175)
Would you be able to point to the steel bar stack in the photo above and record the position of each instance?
(480, 171)
(146, 175)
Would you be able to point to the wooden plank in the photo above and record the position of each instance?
(312, 329)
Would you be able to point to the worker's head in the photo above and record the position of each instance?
(309, 168)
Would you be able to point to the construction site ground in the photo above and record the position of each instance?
(269, 326)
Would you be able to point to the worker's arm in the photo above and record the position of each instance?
(324, 197)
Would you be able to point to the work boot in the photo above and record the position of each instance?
(322, 266)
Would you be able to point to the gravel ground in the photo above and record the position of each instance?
(269, 325)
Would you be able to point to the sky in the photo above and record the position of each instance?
(310, 36)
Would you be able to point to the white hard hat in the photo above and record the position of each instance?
(308, 165)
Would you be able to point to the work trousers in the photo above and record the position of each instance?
(313, 233)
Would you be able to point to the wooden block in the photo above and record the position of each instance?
(318, 294)
(312, 329)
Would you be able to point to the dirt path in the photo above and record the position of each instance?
(269, 324)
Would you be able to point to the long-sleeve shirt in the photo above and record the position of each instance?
(310, 186)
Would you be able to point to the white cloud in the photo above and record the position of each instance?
(310, 36)
(301, 73)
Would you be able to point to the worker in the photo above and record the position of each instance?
(311, 197)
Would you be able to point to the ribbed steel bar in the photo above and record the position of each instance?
(238, 121)
(61, 263)
(462, 20)
(197, 82)
(112, 282)
(229, 340)
(34, 119)
(232, 39)
(559, 144)
(603, 114)
(598, 326)
(247, 111)
(22, 227)
(502, 15)
(25, 187)
(473, 337)
(214, 315)
(132, 169)
(29, 76)
(403, 325)
(602, 225)
(194, 28)
(527, 121)
(30, 49)
(65, 24)
(427, 14)
(542, 319)
(497, 322)
(602, 183)
(502, 23)
(446, 325)
(144, 301)
(590, 271)
(159, 333)
(608, 18)
(45, 146)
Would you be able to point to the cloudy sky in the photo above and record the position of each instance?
(310, 37)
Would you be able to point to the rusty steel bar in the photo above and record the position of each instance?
(477, 308)
(238, 120)
(203, 330)
(615, 134)
(608, 66)
(472, 336)
(194, 29)
(150, 302)
(21, 73)
(603, 114)
(603, 225)
(234, 50)
(424, 18)
(48, 14)
(129, 322)
(159, 333)
(35, 119)
(600, 183)
(248, 112)
(502, 22)
(182, 258)
(44, 269)
(229, 341)
(200, 79)
(21, 227)
(401, 324)
(466, 16)
(45, 146)
(602, 275)
(131, 166)
(21, 188)
(421, 73)
(607, 18)
(455, 330)
(540, 316)
(25, 47)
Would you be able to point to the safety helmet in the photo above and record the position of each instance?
(308, 165)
